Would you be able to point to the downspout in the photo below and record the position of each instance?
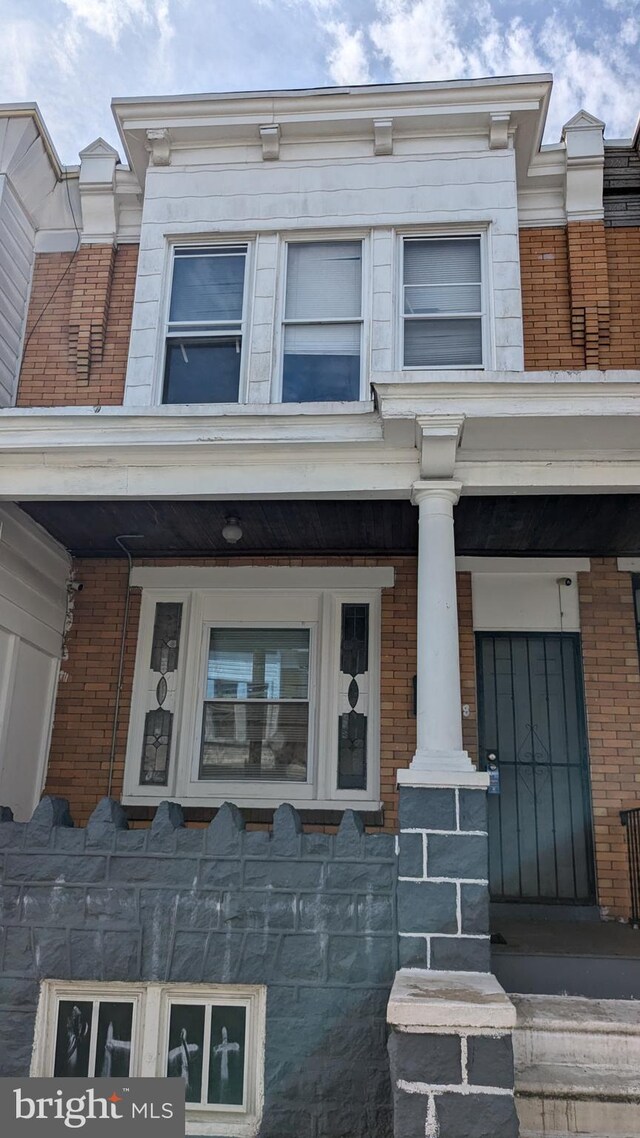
(123, 641)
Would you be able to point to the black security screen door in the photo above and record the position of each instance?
(531, 718)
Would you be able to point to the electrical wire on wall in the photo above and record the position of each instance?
(64, 274)
(120, 540)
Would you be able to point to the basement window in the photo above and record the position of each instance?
(210, 1036)
(205, 330)
(259, 696)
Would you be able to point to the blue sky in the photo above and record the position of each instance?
(73, 56)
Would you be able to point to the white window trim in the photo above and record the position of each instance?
(152, 1004)
(331, 589)
(486, 318)
(201, 242)
(311, 238)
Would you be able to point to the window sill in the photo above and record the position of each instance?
(315, 815)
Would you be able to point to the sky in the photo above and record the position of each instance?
(73, 56)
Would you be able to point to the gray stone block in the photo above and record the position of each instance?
(259, 960)
(375, 914)
(86, 955)
(381, 847)
(357, 959)
(319, 912)
(220, 874)
(199, 909)
(51, 953)
(433, 1059)
(168, 818)
(67, 839)
(6, 814)
(121, 954)
(411, 855)
(460, 954)
(16, 1041)
(410, 1116)
(368, 877)
(288, 1122)
(474, 903)
(224, 835)
(287, 832)
(349, 841)
(476, 1116)
(413, 952)
(107, 817)
(61, 868)
(317, 845)
(424, 808)
(255, 910)
(17, 955)
(473, 809)
(223, 957)
(301, 875)
(189, 842)
(490, 1061)
(106, 906)
(12, 835)
(456, 855)
(53, 904)
(187, 956)
(10, 907)
(427, 907)
(131, 841)
(51, 811)
(180, 871)
(303, 957)
(255, 843)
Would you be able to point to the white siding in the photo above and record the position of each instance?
(33, 603)
(17, 237)
(375, 196)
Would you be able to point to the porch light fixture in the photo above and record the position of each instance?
(232, 530)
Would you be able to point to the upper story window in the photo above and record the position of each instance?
(442, 302)
(322, 322)
(205, 327)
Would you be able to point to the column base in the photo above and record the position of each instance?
(443, 768)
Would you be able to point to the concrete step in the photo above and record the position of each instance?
(577, 1067)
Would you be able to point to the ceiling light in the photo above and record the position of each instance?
(232, 530)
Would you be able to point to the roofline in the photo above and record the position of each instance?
(32, 110)
(324, 92)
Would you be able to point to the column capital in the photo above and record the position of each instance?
(445, 489)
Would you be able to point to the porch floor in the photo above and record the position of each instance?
(598, 959)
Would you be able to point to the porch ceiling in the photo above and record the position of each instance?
(602, 525)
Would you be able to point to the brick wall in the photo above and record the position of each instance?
(82, 732)
(79, 304)
(564, 310)
(612, 690)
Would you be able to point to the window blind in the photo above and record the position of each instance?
(324, 280)
(442, 302)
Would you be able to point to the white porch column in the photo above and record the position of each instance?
(439, 722)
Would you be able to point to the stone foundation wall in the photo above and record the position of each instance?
(310, 915)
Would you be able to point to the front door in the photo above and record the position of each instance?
(532, 733)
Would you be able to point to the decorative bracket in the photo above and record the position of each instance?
(499, 131)
(159, 146)
(383, 136)
(270, 139)
(437, 439)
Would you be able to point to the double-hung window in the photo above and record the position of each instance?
(322, 322)
(205, 327)
(259, 695)
(442, 302)
(209, 1036)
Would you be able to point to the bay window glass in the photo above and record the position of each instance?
(204, 332)
(442, 302)
(256, 708)
(323, 322)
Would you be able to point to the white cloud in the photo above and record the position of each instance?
(347, 60)
(110, 18)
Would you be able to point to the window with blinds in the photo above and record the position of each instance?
(442, 302)
(323, 322)
(204, 332)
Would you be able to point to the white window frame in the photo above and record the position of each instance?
(486, 315)
(229, 242)
(293, 596)
(313, 237)
(150, 1032)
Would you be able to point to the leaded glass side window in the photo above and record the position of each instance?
(161, 694)
(353, 697)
